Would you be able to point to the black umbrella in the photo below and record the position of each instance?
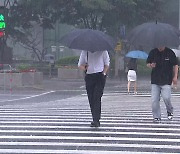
(88, 39)
(153, 35)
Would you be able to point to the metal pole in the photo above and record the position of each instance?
(179, 14)
(10, 78)
(7, 4)
(3, 47)
(179, 19)
(4, 81)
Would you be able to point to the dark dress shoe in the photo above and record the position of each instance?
(95, 124)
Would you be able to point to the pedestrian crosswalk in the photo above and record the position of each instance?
(63, 127)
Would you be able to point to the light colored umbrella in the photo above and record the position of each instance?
(177, 52)
(137, 54)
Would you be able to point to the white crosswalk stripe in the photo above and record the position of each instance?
(63, 127)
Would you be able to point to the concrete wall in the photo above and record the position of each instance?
(64, 73)
(32, 78)
(21, 79)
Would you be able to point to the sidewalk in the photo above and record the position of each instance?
(70, 84)
(143, 84)
(115, 84)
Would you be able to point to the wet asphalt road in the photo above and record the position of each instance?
(54, 89)
(50, 90)
(55, 118)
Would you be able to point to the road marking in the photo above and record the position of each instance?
(9, 100)
(121, 122)
(90, 145)
(135, 95)
(104, 138)
(85, 127)
(74, 90)
(32, 151)
(90, 131)
(82, 87)
(63, 127)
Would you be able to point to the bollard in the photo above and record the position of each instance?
(10, 82)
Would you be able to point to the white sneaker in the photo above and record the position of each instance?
(157, 120)
(169, 115)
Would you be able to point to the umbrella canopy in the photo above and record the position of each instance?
(152, 35)
(137, 54)
(88, 39)
(177, 52)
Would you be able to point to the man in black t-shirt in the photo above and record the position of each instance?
(164, 66)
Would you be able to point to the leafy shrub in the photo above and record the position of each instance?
(26, 68)
(143, 70)
(68, 61)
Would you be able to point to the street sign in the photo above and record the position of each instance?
(53, 48)
(118, 46)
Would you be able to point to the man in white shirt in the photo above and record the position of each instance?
(95, 65)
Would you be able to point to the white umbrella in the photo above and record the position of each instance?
(177, 52)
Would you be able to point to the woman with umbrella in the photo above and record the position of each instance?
(132, 66)
(131, 76)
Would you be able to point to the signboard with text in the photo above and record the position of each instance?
(118, 46)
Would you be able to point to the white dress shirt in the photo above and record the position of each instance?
(96, 61)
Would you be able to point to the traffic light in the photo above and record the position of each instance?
(2, 33)
(2, 21)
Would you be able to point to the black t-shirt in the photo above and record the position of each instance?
(162, 74)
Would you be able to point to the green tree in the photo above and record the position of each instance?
(109, 15)
(21, 19)
(105, 15)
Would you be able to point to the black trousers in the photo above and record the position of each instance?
(94, 86)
